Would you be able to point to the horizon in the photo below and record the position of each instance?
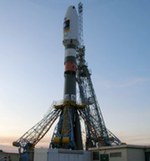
(31, 64)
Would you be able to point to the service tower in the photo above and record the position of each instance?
(68, 131)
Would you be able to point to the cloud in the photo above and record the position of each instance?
(6, 143)
(122, 83)
(8, 148)
(132, 82)
(141, 139)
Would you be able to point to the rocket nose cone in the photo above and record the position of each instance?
(71, 11)
(71, 23)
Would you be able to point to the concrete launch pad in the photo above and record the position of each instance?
(61, 155)
(68, 155)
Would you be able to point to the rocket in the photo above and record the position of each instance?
(68, 131)
(70, 41)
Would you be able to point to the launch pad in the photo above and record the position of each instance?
(44, 154)
(68, 131)
(68, 155)
(61, 155)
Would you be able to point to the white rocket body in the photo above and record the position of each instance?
(70, 41)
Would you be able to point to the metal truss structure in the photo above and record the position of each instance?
(96, 132)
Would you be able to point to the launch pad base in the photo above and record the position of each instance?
(68, 155)
(61, 155)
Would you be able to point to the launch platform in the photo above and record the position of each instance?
(61, 155)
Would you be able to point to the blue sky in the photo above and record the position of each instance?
(117, 40)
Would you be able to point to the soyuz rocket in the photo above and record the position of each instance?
(70, 41)
(68, 131)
